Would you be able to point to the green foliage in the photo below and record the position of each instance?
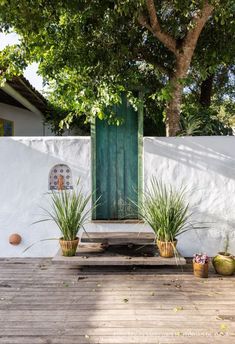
(165, 210)
(218, 117)
(190, 124)
(91, 52)
(55, 118)
(197, 120)
(69, 211)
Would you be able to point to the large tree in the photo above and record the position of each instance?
(209, 99)
(182, 49)
(91, 51)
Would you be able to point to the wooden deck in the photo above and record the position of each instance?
(42, 303)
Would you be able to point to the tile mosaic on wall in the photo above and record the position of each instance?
(60, 178)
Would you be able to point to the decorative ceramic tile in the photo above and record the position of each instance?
(60, 178)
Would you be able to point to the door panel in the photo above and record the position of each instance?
(116, 165)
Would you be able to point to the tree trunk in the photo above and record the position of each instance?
(173, 106)
(206, 91)
(173, 109)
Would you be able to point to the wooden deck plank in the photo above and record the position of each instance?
(177, 339)
(119, 238)
(43, 303)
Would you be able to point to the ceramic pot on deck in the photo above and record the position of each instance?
(224, 264)
(200, 270)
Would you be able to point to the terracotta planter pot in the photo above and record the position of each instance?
(69, 248)
(167, 249)
(200, 270)
(224, 264)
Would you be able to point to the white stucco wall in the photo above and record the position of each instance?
(206, 165)
(26, 123)
(24, 169)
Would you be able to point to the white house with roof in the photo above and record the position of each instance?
(22, 109)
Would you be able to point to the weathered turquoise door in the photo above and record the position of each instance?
(117, 164)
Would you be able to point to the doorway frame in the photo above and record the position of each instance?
(140, 111)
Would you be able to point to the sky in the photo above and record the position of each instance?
(31, 71)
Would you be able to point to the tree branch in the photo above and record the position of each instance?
(197, 23)
(155, 27)
(143, 53)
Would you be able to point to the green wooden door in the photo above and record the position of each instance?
(117, 164)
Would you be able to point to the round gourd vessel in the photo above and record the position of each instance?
(15, 239)
(224, 264)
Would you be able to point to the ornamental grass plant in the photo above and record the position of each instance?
(165, 210)
(68, 209)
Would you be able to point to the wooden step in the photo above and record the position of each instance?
(103, 255)
(119, 238)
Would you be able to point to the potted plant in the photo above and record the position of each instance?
(200, 265)
(224, 262)
(166, 211)
(70, 211)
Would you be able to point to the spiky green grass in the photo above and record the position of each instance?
(165, 210)
(69, 210)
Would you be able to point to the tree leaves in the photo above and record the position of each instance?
(90, 52)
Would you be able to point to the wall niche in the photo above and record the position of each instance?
(60, 178)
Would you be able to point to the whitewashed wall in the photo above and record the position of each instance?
(26, 123)
(24, 169)
(206, 165)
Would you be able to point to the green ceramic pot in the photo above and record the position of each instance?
(224, 264)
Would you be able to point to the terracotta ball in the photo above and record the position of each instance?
(15, 239)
